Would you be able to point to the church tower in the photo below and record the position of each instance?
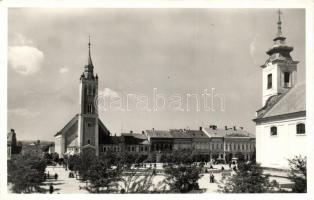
(88, 116)
(279, 70)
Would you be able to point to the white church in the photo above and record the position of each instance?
(280, 123)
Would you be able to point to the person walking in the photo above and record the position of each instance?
(51, 188)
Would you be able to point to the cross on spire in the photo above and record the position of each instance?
(90, 63)
(279, 33)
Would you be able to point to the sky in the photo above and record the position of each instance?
(172, 52)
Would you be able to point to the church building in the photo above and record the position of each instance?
(280, 123)
(85, 130)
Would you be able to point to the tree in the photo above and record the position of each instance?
(228, 157)
(134, 182)
(240, 156)
(182, 178)
(26, 173)
(101, 177)
(249, 178)
(298, 174)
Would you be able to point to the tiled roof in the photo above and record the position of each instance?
(133, 138)
(227, 133)
(75, 118)
(135, 135)
(179, 133)
(158, 134)
(197, 134)
(291, 102)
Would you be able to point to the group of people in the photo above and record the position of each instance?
(47, 176)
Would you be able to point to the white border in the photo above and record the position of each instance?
(308, 4)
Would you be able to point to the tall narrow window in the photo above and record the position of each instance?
(301, 128)
(269, 81)
(273, 130)
(287, 79)
(88, 141)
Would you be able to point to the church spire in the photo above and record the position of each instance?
(89, 68)
(279, 35)
(89, 56)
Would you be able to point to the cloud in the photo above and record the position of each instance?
(19, 39)
(63, 70)
(107, 92)
(253, 47)
(23, 57)
(23, 112)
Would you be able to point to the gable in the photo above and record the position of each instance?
(291, 102)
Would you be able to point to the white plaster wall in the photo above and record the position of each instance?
(273, 151)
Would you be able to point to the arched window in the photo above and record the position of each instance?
(88, 141)
(269, 81)
(273, 130)
(301, 128)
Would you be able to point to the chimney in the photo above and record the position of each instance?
(143, 132)
(201, 128)
(131, 131)
(234, 128)
(214, 127)
(241, 127)
(153, 129)
(226, 127)
(38, 142)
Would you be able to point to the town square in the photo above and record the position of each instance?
(156, 101)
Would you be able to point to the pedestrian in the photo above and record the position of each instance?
(50, 188)
(56, 176)
(213, 178)
(222, 168)
(48, 174)
(230, 165)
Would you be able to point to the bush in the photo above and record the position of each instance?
(298, 174)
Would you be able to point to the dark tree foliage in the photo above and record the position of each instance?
(240, 156)
(249, 178)
(298, 174)
(26, 173)
(101, 177)
(183, 178)
(74, 162)
(228, 157)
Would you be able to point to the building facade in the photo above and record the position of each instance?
(280, 123)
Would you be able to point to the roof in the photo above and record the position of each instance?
(197, 134)
(220, 133)
(74, 143)
(179, 134)
(134, 138)
(74, 119)
(135, 135)
(158, 134)
(290, 102)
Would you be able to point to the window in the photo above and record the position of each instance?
(242, 146)
(273, 130)
(286, 79)
(88, 141)
(301, 128)
(269, 81)
(104, 149)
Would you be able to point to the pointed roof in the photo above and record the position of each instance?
(89, 68)
(90, 63)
